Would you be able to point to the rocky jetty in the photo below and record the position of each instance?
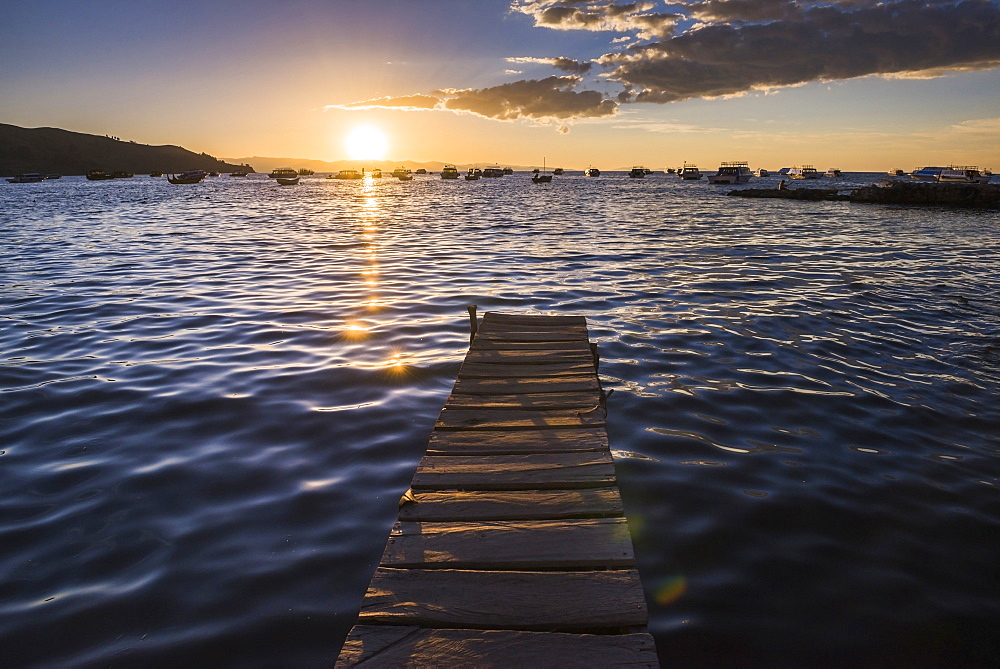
(985, 196)
(808, 194)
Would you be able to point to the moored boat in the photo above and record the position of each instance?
(558, 171)
(122, 174)
(689, 172)
(239, 173)
(541, 177)
(803, 172)
(592, 172)
(287, 181)
(449, 172)
(896, 173)
(98, 175)
(402, 173)
(929, 173)
(473, 174)
(375, 173)
(283, 173)
(737, 172)
(507, 171)
(30, 178)
(493, 172)
(637, 172)
(762, 172)
(349, 174)
(964, 174)
(188, 177)
(833, 173)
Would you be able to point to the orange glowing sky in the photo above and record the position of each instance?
(905, 83)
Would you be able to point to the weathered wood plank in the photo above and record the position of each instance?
(571, 346)
(526, 384)
(491, 371)
(498, 442)
(532, 336)
(528, 357)
(525, 402)
(412, 647)
(512, 419)
(514, 600)
(515, 472)
(499, 317)
(455, 505)
(588, 543)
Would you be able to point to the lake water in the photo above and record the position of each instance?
(212, 397)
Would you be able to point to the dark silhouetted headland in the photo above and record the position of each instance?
(55, 151)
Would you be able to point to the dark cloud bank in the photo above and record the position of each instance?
(711, 48)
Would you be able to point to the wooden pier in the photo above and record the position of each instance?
(511, 547)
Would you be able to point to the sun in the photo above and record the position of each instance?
(366, 141)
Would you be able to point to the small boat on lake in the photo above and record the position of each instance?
(541, 177)
(349, 174)
(449, 172)
(122, 174)
(929, 173)
(98, 175)
(803, 172)
(402, 174)
(287, 181)
(967, 174)
(762, 172)
(592, 172)
(30, 178)
(473, 174)
(493, 172)
(690, 172)
(833, 173)
(897, 173)
(507, 171)
(375, 173)
(558, 171)
(239, 173)
(737, 172)
(283, 173)
(637, 172)
(188, 177)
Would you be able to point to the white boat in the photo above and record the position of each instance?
(803, 172)
(930, 173)
(32, 178)
(833, 173)
(897, 173)
(967, 174)
(762, 173)
(449, 172)
(283, 173)
(737, 172)
(690, 172)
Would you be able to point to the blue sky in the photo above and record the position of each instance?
(857, 84)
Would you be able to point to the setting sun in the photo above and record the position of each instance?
(366, 142)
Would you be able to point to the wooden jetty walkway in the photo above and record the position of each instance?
(511, 548)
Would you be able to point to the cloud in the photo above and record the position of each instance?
(620, 17)
(533, 99)
(822, 42)
(564, 64)
(403, 103)
(540, 100)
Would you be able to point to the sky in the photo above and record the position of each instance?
(854, 84)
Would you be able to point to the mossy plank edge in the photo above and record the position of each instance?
(585, 543)
(476, 505)
(406, 646)
(514, 600)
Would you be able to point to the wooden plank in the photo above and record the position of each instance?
(528, 357)
(492, 344)
(525, 402)
(455, 505)
(489, 371)
(532, 336)
(512, 419)
(406, 646)
(527, 384)
(498, 442)
(499, 317)
(588, 543)
(514, 600)
(515, 472)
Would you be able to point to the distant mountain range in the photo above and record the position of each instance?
(55, 151)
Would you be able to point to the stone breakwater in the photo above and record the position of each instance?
(982, 196)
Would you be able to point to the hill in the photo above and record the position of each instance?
(55, 151)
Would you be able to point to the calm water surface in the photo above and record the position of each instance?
(212, 396)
